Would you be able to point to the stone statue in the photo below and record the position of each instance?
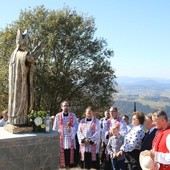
(21, 80)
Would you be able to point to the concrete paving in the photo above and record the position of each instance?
(77, 168)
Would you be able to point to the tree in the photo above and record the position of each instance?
(73, 64)
(6, 48)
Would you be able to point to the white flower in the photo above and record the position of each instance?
(38, 121)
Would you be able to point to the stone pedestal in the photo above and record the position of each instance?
(29, 151)
(15, 129)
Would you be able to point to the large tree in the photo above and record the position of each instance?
(72, 65)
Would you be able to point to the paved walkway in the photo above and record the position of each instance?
(78, 168)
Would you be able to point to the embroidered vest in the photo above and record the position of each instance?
(160, 145)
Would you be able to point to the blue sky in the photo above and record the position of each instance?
(137, 30)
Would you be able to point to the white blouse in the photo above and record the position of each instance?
(133, 139)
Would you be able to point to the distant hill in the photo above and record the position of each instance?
(126, 79)
(148, 93)
(130, 82)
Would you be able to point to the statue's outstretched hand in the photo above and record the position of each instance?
(38, 47)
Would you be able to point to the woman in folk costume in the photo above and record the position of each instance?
(89, 140)
(133, 140)
(66, 124)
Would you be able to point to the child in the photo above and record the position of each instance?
(113, 147)
(4, 119)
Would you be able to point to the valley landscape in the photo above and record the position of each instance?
(147, 94)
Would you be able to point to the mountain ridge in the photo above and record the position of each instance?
(142, 82)
(129, 79)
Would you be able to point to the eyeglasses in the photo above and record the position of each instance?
(158, 120)
(65, 106)
(113, 111)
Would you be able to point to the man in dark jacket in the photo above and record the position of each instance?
(151, 131)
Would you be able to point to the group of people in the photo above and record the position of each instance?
(112, 141)
(86, 133)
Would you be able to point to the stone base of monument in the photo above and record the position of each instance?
(29, 151)
(16, 129)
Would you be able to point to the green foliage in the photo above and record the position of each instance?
(7, 45)
(3, 88)
(72, 65)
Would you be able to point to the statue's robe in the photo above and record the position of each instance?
(20, 87)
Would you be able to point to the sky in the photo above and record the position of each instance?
(138, 31)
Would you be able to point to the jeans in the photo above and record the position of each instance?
(118, 164)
